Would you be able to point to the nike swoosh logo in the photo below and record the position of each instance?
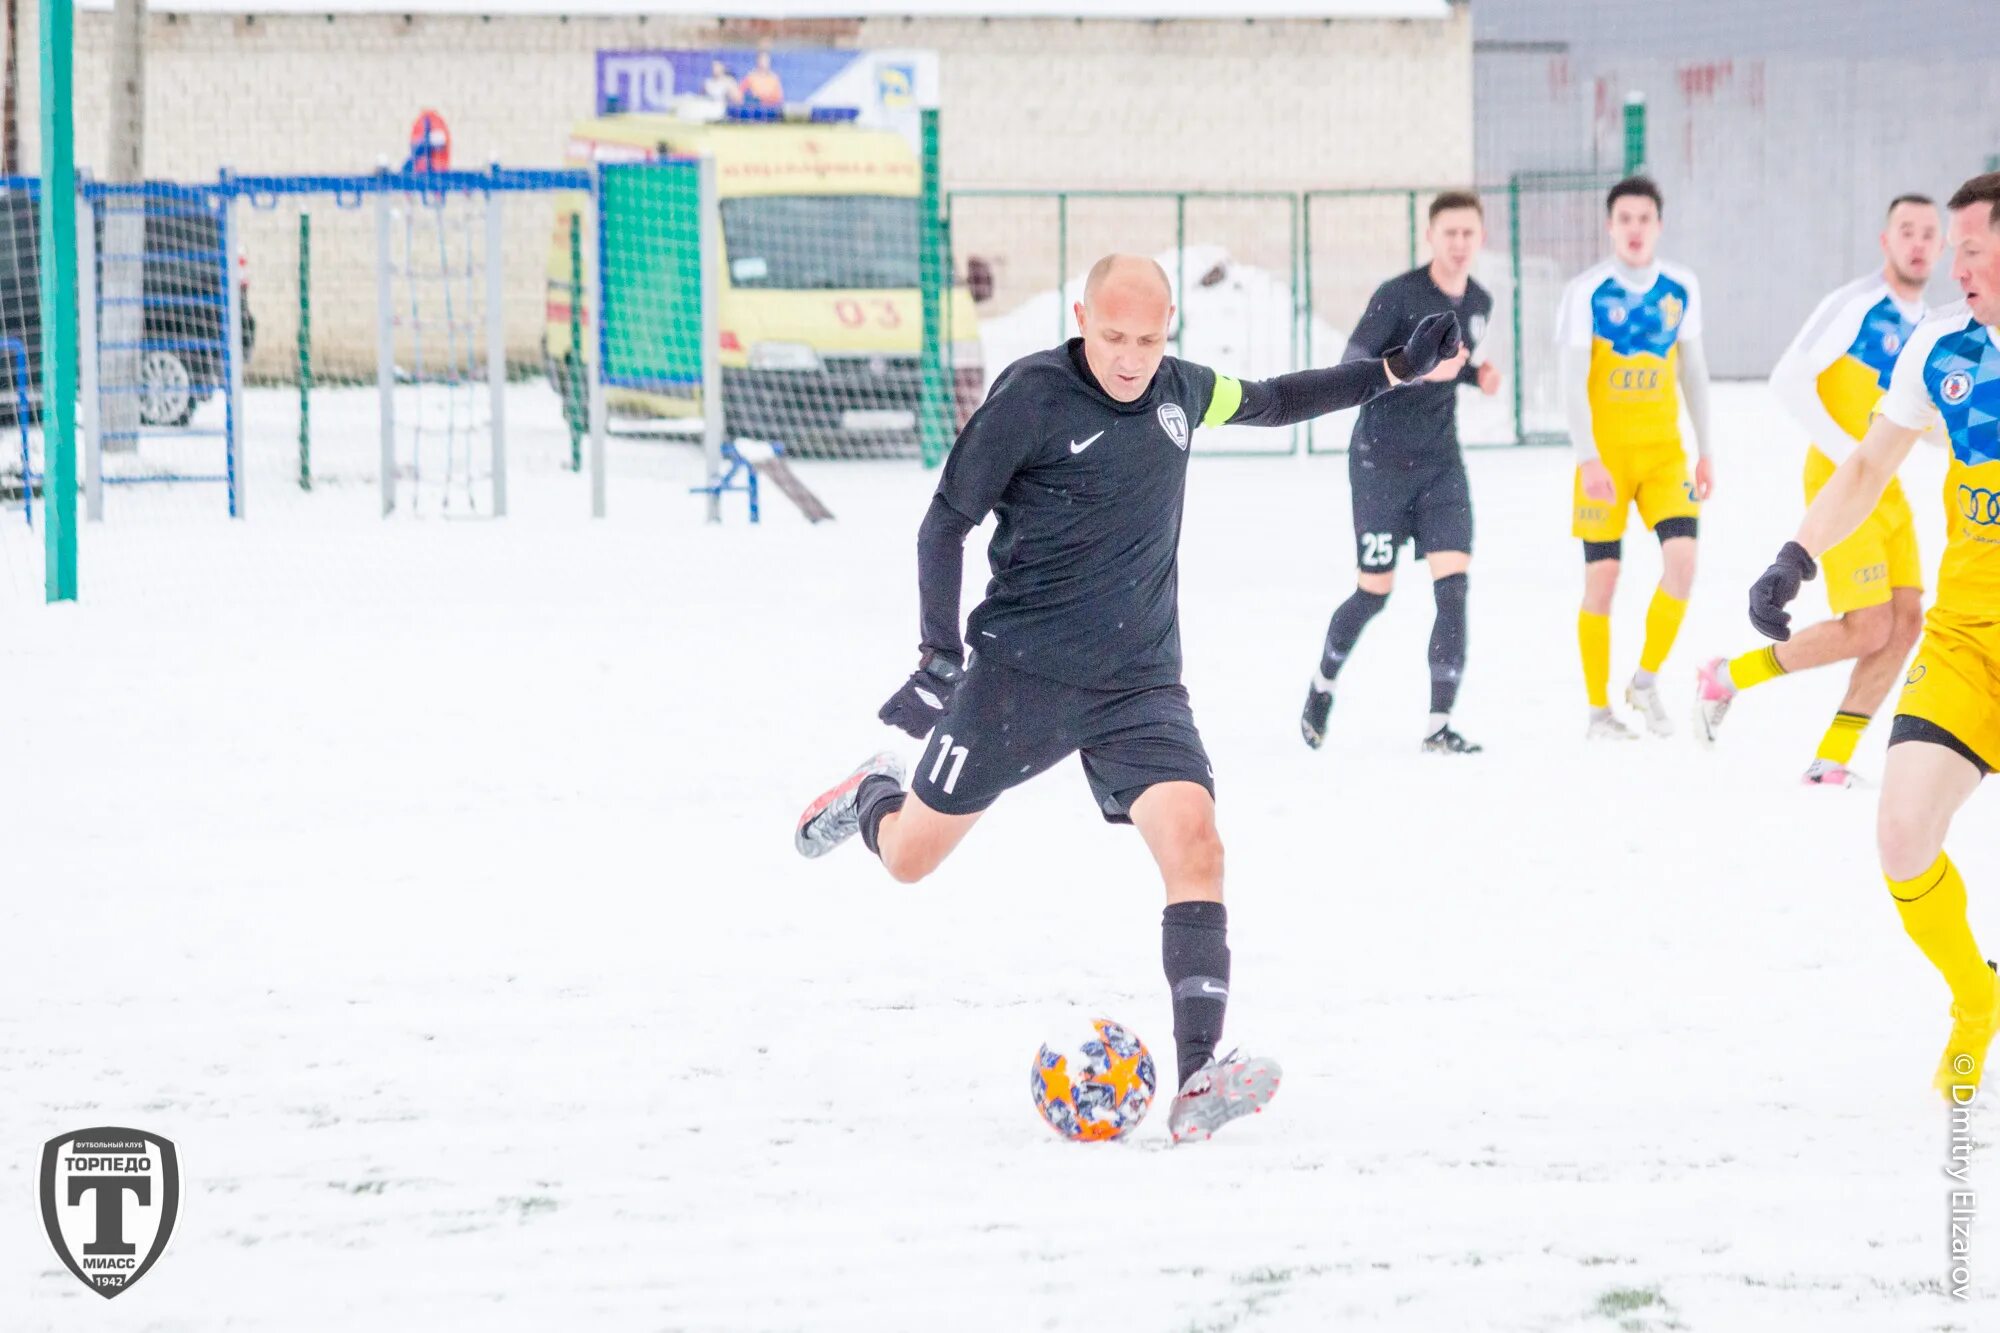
(1076, 448)
(1208, 988)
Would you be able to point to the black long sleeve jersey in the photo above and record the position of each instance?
(1088, 492)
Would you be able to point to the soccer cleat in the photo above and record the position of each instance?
(1219, 1092)
(831, 819)
(1646, 698)
(1606, 726)
(1826, 773)
(1312, 722)
(1964, 1060)
(1712, 696)
(1446, 741)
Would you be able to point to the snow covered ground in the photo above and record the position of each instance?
(429, 884)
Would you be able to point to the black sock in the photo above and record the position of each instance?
(879, 796)
(1448, 642)
(1194, 946)
(1344, 630)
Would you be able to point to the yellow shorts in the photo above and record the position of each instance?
(1655, 477)
(1879, 555)
(1955, 682)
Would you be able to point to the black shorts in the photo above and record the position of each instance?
(1909, 727)
(1430, 504)
(1005, 726)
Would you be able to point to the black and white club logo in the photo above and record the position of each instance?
(109, 1199)
(1174, 422)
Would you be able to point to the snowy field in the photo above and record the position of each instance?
(430, 885)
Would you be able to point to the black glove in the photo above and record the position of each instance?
(1434, 339)
(1770, 594)
(924, 696)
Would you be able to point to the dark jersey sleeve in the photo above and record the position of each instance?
(992, 447)
(940, 573)
(1377, 332)
(1286, 400)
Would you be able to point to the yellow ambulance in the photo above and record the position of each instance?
(821, 326)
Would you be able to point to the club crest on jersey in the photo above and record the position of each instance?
(109, 1200)
(1956, 387)
(1616, 314)
(1892, 342)
(1174, 422)
(1671, 311)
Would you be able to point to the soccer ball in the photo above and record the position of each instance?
(1100, 1090)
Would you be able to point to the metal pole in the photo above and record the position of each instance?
(1635, 132)
(58, 301)
(86, 362)
(594, 366)
(574, 390)
(1180, 268)
(232, 353)
(935, 414)
(126, 95)
(708, 219)
(1306, 292)
(1412, 226)
(385, 342)
(1062, 267)
(305, 351)
(496, 343)
(1514, 255)
(122, 316)
(950, 321)
(1292, 216)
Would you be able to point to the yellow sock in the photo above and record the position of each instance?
(1593, 636)
(1933, 911)
(1663, 622)
(1755, 667)
(1842, 735)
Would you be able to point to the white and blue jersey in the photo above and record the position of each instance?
(1949, 376)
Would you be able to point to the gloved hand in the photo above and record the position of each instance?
(1434, 339)
(1771, 593)
(925, 695)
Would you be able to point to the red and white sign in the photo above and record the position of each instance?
(430, 143)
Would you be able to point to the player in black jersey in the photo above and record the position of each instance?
(1406, 474)
(1082, 452)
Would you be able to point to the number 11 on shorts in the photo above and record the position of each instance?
(955, 753)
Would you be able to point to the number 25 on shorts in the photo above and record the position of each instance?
(1378, 549)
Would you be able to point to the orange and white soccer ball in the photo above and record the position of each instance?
(1098, 1090)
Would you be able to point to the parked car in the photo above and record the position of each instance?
(181, 362)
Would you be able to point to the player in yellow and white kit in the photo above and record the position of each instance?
(1630, 334)
(1830, 379)
(1947, 731)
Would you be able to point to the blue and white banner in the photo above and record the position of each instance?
(882, 88)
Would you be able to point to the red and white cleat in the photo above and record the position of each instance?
(831, 819)
(1219, 1092)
